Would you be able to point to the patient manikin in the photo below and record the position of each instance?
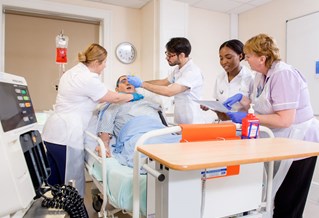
(127, 122)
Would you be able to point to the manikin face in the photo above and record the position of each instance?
(124, 86)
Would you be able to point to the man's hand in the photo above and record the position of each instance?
(105, 137)
(107, 151)
(135, 81)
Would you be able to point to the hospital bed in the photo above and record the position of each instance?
(115, 182)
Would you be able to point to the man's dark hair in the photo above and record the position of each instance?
(179, 45)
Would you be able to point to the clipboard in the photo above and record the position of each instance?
(213, 105)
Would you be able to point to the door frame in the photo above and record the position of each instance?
(62, 10)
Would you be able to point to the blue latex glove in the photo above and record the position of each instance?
(237, 117)
(137, 96)
(135, 81)
(232, 100)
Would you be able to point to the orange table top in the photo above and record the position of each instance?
(210, 154)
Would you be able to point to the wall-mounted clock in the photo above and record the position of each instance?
(125, 53)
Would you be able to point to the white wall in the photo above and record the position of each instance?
(173, 22)
(207, 31)
(271, 19)
(149, 47)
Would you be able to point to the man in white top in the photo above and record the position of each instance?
(185, 82)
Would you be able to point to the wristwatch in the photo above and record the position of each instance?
(100, 133)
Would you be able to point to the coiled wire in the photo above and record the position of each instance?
(67, 198)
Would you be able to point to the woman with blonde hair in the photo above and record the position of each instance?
(80, 90)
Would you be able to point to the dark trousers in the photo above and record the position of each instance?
(292, 195)
(56, 155)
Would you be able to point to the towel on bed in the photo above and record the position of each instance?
(123, 150)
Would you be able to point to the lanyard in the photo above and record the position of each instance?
(260, 87)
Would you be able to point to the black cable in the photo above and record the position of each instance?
(63, 196)
(67, 198)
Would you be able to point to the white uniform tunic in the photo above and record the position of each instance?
(186, 110)
(239, 84)
(78, 95)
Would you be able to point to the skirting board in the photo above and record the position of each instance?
(312, 205)
(313, 195)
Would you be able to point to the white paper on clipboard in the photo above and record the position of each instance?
(214, 105)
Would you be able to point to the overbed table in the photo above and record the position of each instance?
(182, 164)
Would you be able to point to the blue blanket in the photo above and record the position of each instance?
(123, 150)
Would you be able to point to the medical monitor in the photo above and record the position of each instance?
(18, 122)
(16, 109)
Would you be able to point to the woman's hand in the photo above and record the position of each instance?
(204, 108)
(232, 100)
(222, 116)
(237, 117)
(137, 96)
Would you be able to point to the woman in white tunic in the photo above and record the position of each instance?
(80, 90)
(281, 98)
(236, 78)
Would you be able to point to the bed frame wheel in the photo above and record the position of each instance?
(97, 203)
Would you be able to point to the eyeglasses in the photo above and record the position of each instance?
(122, 81)
(169, 55)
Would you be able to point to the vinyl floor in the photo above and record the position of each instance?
(311, 209)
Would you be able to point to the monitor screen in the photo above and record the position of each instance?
(16, 109)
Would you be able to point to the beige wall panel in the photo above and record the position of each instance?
(30, 52)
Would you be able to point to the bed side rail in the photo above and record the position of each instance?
(137, 164)
(269, 174)
(101, 144)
